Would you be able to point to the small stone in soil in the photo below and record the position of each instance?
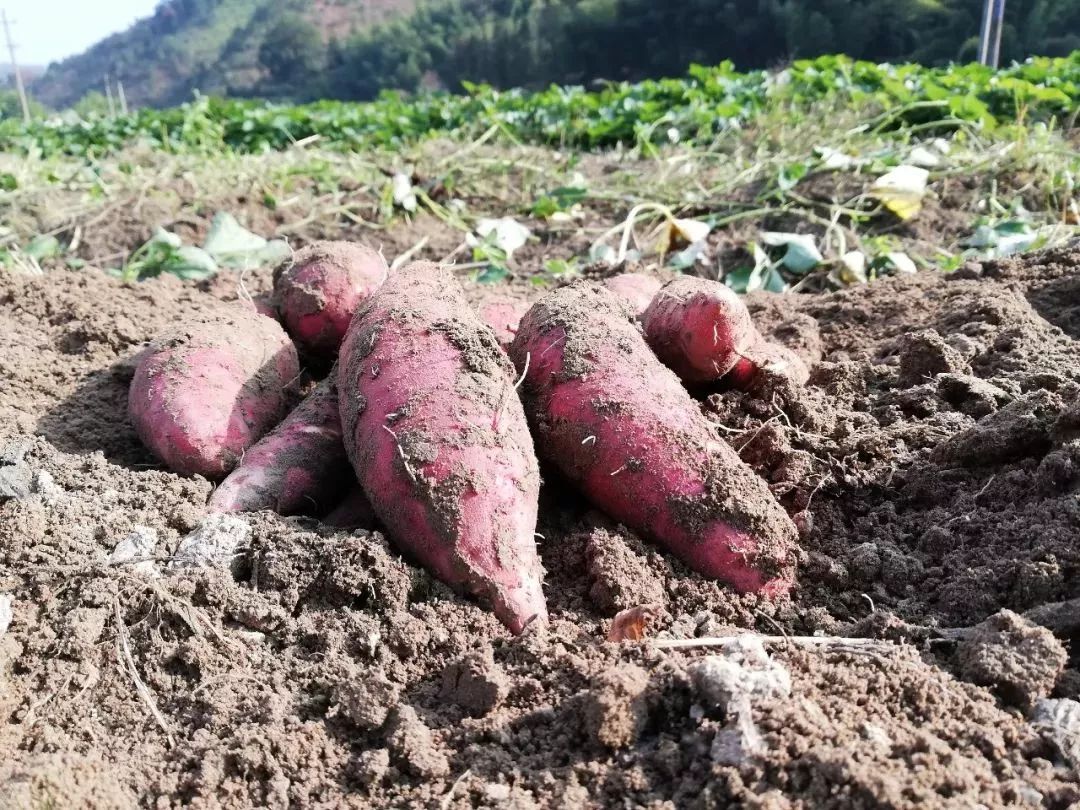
(742, 669)
(138, 545)
(217, 542)
(6, 613)
(1059, 723)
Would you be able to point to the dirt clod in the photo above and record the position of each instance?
(413, 745)
(620, 578)
(1018, 659)
(924, 355)
(616, 708)
(476, 683)
(366, 700)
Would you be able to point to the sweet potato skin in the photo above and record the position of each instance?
(353, 512)
(698, 328)
(439, 440)
(318, 290)
(764, 358)
(205, 393)
(298, 467)
(503, 314)
(620, 425)
(636, 289)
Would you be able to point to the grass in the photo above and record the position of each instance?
(774, 175)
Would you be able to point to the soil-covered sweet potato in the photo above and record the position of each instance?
(698, 328)
(702, 330)
(439, 440)
(620, 425)
(203, 394)
(299, 467)
(318, 290)
(765, 357)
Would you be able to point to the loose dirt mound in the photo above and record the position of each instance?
(933, 466)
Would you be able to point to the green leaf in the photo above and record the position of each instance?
(739, 278)
(790, 175)
(493, 274)
(8, 182)
(802, 254)
(43, 247)
(232, 245)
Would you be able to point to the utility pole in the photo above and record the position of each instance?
(121, 95)
(15, 68)
(990, 32)
(109, 97)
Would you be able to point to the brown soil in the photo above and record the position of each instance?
(932, 465)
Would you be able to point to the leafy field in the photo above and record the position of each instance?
(829, 173)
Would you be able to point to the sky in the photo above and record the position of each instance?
(48, 30)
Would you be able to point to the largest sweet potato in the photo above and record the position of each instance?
(619, 424)
(439, 441)
(206, 392)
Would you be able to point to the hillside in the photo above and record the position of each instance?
(299, 50)
(209, 45)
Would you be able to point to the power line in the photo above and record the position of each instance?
(15, 68)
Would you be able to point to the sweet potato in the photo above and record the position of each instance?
(318, 290)
(636, 289)
(264, 305)
(439, 440)
(766, 357)
(698, 328)
(618, 424)
(299, 467)
(702, 330)
(503, 315)
(205, 393)
(353, 512)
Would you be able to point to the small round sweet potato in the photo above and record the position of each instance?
(318, 290)
(762, 358)
(698, 328)
(208, 391)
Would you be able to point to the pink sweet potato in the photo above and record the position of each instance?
(439, 440)
(318, 290)
(762, 358)
(205, 393)
(353, 512)
(264, 305)
(636, 289)
(698, 328)
(299, 467)
(503, 314)
(619, 425)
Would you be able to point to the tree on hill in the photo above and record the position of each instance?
(292, 51)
